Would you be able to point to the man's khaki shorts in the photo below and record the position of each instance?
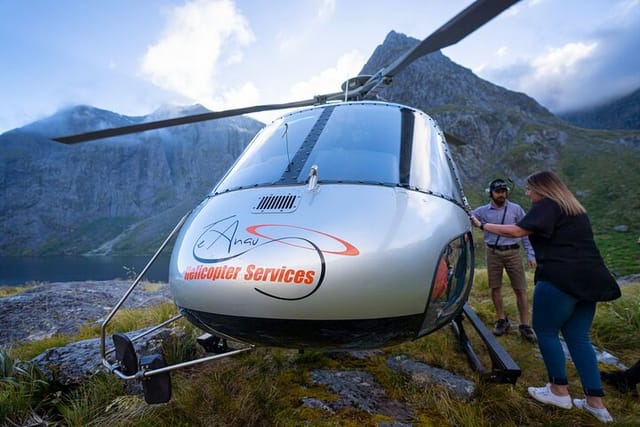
(509, 260)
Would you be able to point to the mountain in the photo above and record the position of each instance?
(119, 194)
(494, 132)
(493, 128)
(622, 113)
(125, 194)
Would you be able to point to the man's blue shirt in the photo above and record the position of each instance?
(492, 214)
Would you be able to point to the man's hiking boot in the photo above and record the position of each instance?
(527, 333)
(501, 327)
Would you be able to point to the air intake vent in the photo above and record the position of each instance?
(280, 203)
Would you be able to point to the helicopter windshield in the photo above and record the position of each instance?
(360, 142)
(357, 144)
(270, 153)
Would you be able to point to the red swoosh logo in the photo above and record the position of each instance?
(349, 249)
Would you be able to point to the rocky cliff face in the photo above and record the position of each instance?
(482, 120)
(434, 81)
(114, 194)
(492, 131)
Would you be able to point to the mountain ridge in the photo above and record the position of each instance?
(70, 199)
(124, 194)
(619, 113)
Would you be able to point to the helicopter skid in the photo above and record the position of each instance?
(504, 369)
(152, 369)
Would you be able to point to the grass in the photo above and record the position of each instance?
(10, 291)
(22, 389)
(265, 387)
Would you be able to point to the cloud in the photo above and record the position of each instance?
(591, 69)
(592, 74)
(327, 8)
(292, 38)
(549, 77)
(235, 58)
(562, 62)
(329, 80)
(549, 74)
(576, 75)
(244, 95)
(198, 36)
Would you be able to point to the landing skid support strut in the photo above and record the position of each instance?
(504, 369)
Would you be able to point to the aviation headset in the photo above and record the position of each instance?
(497, 184)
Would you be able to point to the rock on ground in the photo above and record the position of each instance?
(80, 360)
(62, 308)
(358, 389)
(426, 376)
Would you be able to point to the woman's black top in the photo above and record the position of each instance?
(566, 253)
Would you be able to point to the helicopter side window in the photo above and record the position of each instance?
(431, 168)
(271, 152)
(360, 143)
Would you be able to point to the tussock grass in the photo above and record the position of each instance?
(29, 350)
(10, 291)
(266, 387)
(22, 389)
(124, 320)
(617, 324)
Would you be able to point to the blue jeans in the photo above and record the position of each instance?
(555, 311)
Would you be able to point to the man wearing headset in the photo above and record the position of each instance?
(503, 253)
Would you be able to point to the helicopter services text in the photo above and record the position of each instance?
(252, 273)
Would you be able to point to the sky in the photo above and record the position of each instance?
(135, 56)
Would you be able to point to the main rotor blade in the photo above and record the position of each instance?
(463, 24)
(457, 28)
(141, 127)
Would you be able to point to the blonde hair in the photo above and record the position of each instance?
(547, 184)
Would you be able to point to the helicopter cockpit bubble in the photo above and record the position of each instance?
(359, 142)
(267, 261)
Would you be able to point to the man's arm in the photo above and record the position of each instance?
(528, 248)
(526, 244)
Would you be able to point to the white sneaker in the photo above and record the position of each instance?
(545, 395)
(601, 414)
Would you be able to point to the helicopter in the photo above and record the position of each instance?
(342, 226)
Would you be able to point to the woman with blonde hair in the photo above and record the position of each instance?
(570, 278)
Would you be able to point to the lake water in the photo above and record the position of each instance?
(20, 270)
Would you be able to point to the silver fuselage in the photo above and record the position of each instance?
(340, 226)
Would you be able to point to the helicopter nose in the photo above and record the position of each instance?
(307, 277)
